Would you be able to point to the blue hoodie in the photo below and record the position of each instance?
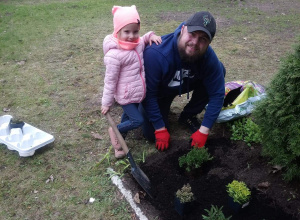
(167, 75)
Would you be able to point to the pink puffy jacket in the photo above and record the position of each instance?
(125, 75)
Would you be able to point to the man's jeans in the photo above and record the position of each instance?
(131, 118)
(195, 106)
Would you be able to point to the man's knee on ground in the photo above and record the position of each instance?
(137, 122)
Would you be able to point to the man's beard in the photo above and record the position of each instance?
(188, 58)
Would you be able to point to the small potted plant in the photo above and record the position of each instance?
(184, 200)
(194, 159)
(215, 213)
(239, 195)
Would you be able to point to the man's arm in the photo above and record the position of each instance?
(215, 86)
(154, 75)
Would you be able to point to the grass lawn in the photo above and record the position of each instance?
(51, 76)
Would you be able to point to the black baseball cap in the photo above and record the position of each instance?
(202, 21)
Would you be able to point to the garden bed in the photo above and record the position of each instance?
(272, 198)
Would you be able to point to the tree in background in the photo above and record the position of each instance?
(278, 116)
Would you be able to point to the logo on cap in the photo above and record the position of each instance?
(206, 20)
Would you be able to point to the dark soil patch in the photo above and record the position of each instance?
(232, 160)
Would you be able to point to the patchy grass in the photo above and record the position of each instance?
(51, 75)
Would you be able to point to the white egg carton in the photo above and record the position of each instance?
(26, 139)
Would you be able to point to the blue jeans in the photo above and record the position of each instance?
(131, 118)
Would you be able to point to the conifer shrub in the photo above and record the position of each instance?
(278, 116)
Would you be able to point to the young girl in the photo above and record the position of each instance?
(125, 76)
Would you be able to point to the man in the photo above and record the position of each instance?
(184, 62)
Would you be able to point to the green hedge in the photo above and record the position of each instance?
(278, 116)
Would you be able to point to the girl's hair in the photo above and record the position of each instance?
(124, 16)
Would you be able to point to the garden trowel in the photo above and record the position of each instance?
(136, 172)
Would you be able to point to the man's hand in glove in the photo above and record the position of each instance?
(198, 139)
(162, 139)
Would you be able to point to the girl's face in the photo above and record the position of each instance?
(129, 33)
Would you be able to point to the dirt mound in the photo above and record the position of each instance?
(232, 160)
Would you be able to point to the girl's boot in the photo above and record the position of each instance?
(119, 153)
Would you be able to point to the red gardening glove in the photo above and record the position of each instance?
(198, 139)
(162, 139)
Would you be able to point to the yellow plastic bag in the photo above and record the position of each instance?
(239, 99)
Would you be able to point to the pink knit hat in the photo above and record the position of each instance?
(124, 16)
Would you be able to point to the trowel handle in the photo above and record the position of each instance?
(117, 132)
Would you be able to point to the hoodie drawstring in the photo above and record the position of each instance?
(188, 84)
(180, 83)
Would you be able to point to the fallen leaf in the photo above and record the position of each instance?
(136, 198)
(86, 201)
(97, 135)
(133, 216)
(91, 122)
(264, 185)
(142, 194)
(51, 178)
(21, 63)
(276, 168)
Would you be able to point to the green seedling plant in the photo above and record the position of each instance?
(106, 157)
(239, 191)
(123, 164)
(144, 157)
(185, 194)
(215, 213)
(111, 173)
(194, 159)
(246, 130)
